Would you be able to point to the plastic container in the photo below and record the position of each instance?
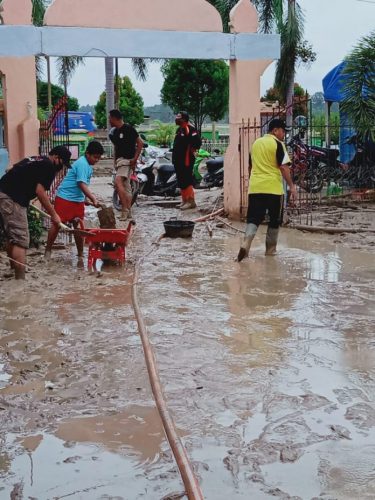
(179, 228)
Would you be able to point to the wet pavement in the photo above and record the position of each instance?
(268, 367)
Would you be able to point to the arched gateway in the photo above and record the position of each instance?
(132, 28)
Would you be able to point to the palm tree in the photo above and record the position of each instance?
(286, 18)
(37, 14)
(359, 87)
(290, 28)
(66, 65)
(109, 86)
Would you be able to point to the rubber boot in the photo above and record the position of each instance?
(271, 240)
(190, 203)
(250, 233)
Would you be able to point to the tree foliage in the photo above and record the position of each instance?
(199, 87)
(66, 67)
(57, 93)
(286, 18)
(130, 104)
(359, 87)
(300, 99)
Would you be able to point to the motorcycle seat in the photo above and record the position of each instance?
(166, 169)
(215, 164)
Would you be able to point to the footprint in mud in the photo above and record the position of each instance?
(347, 394)
(362, 415)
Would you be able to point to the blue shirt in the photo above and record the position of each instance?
(80, 171)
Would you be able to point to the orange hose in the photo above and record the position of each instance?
(189, 479)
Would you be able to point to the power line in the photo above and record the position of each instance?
(367, 1)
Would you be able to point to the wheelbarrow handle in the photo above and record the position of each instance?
(62, 225)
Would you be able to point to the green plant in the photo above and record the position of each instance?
(201, 88)
(35, 227)
(163, 134)
(318, 127)
(41, 114)
(130, 104)
(57, 93)
(359, 87)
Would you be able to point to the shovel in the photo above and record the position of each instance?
(79, 232)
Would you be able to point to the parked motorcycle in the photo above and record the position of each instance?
(215, 173)
(359, 172)
(150, 178)
(309, 163)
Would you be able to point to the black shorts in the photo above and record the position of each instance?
(259, 204)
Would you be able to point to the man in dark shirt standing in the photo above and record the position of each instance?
(186, 143)
(30, 178)
(128, 147)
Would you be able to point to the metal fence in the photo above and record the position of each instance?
(343, 167)
(215, 147)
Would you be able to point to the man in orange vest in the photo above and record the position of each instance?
(186, 143)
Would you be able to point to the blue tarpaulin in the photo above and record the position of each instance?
(333, 84)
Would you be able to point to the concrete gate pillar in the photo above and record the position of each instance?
(244, 104)
(20, 112)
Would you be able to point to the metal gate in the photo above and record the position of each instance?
(55, 132)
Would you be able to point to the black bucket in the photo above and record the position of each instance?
(179, 228)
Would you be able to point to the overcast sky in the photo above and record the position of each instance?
(333, 27)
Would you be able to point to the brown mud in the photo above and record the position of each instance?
(268, 368)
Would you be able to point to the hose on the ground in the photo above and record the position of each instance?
(189, 479)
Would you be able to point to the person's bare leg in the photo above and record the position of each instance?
(52, 235)
(78, 240)
(18, 254)
(9, 253)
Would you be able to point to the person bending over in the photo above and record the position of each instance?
(71, 194)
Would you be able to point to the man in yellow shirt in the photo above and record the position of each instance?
(269, 166)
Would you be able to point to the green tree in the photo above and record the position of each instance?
(162, 133)
(57, 93)
(318, 126)
(130, 104)
(359, 87)
(286, 18)
(199, 87)
(300, 99)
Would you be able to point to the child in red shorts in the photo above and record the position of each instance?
(71, 195)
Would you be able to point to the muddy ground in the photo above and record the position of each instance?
(267, 366)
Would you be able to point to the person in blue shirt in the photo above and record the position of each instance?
(71, 195)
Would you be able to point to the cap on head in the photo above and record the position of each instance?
(63, 153)
(276, 123)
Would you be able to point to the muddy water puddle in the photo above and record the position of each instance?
(267, 366)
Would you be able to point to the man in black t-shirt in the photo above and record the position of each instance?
(29, 178)
(128, 147)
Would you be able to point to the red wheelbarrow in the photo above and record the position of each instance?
(107, 244)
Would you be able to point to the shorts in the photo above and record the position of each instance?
(124, 170)
(260, 203)
(69, 210)
(15, 222)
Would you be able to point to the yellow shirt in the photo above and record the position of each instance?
(267, 155)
